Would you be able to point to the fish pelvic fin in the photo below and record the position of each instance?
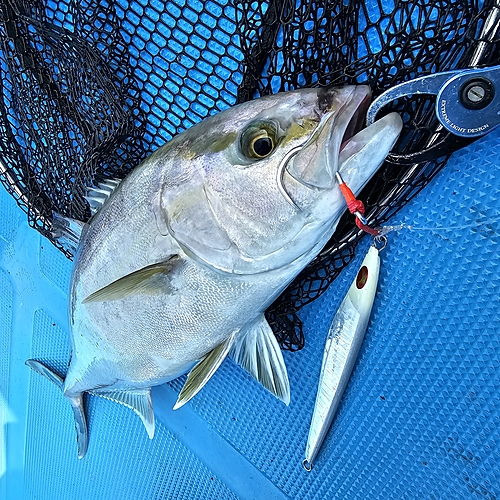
(257, 351)
(137, 400)
(76, 405)
(203, 371)
(149, 280)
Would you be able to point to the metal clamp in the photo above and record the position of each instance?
(467, 103)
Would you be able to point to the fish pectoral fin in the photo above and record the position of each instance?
(257, 351)
(137, 400)
(66, 231)
(76, 405)
(203, 371)
(150, 280)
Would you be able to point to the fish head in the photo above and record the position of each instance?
(253, 188)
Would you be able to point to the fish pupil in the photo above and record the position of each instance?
(263, 146)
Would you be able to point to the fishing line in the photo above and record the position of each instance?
(357, 208)
(384, 230)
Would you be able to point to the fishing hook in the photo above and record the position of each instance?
(281, 172)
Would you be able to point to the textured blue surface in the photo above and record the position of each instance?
(420, 417)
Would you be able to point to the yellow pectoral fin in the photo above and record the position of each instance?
(150, 280)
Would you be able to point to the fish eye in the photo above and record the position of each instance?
(262, 146)
(258, 141)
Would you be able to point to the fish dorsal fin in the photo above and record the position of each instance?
(137, 400)
(257, 351)
(150, 280)
(97, 195)
(68, 232)
(203, 371)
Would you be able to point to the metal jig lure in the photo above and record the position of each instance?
(344, 339)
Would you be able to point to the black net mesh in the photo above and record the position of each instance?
(89, 88)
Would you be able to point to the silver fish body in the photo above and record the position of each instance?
(344, 339)
(179, 264)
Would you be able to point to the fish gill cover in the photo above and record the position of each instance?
(91, 87)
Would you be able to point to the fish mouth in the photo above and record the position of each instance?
(341, 143)
(356, 121)
(364, 149)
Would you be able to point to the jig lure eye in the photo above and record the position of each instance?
(258, 141)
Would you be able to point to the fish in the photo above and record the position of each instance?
(181, 258)
(344, 339)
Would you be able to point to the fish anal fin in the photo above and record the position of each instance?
(76, 405)
(257, 351)
(150, 280)
(138, 400)
(203, 371)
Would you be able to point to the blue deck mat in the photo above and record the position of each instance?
(420, 417)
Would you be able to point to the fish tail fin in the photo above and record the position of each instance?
(46, 372)
(75, 401)
(82, 436)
